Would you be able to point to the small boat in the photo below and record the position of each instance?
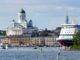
(5, 47)
(35, 47)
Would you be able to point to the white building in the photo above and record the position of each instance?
(22, 26)
(22, 18)
(14, 30)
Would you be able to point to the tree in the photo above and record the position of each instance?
(76, 41)
(45, 33)
(35, 33)
(76, 38)
(3, 33)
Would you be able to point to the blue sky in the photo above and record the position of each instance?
(44, 13)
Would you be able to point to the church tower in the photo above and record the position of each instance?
(22, 18)
(30, 23)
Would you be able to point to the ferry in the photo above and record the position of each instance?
(66, 34)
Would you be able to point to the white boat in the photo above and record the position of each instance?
(67, 32)
(5, 47)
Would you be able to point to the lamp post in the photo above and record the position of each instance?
(59, 52)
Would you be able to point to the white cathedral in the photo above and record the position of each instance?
(22, 26)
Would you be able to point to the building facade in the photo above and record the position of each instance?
(29, 41)
(21, 27)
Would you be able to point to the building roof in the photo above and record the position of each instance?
(22, 11)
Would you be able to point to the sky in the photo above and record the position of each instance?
(44, 13)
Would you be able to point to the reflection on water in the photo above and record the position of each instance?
(37, 54)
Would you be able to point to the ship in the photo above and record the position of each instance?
(67, 32)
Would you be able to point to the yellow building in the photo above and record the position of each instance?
(29, 41)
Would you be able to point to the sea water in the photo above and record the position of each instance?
(46, 53)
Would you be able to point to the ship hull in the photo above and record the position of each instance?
(66, 42)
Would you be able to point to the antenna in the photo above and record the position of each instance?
(67, 18)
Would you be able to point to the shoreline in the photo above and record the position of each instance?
(40, 48)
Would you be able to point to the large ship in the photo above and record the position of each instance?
(67, 32)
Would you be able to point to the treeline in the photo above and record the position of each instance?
(2, 32)
(76, 41)
(42, 33)
(46, 32)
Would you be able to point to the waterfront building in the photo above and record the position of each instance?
(14, 30)
(49, 41)
(23, 33)
(28, 41)
(22, 18)
(22, 26)
(5, 41)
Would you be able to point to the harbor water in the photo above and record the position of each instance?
(46, 53)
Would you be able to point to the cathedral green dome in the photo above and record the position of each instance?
(22, 11)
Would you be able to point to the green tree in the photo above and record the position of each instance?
(76, 41)
(76, 38)
(2, 32)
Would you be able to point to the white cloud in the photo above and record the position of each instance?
(42, 9)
